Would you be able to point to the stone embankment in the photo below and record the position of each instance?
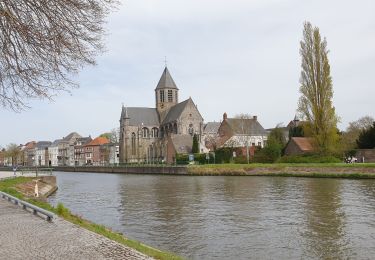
(27, 236)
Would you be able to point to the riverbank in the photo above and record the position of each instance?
(9, 186)
(327, 170)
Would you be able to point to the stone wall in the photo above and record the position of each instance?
(367, 154)
(180, 170)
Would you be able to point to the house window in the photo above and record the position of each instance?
(146, 132)
(161, 95)
(259, 144)
(170, 96)
(133, 143)
(176, 96)
(253, 144)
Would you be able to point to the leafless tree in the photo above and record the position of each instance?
(44, 43)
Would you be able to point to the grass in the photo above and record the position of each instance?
(282, 165)
(8, 186)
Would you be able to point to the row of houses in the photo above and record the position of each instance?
(72, 150)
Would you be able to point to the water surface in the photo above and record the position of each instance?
(230, 217)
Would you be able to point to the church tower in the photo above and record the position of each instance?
(166, 94)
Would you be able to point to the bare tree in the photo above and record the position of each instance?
(12, 151)
(45, 42)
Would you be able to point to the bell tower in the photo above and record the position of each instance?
(166, 94)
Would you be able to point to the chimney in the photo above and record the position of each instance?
(255, 118)
(225, 116)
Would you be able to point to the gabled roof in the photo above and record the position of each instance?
(175, 111)
(70, 137)
(166, 81)
(83, 140)
(141, 115)
(211, 127)
(303, 143)
(30, 145)
(246, 126)
(98, 141)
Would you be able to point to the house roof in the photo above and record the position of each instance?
(70, 137)
(246, 126)
(141, 115)
(166, 81)
(30, 145)
(182, 143)
(83, 140)
(43, 144)
(211, 127)
(56, 142)
(98, 141)
(303, 143)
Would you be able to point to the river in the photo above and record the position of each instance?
(230, 217)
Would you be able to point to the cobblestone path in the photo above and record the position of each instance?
(25, 236)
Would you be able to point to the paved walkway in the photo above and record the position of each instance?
(25, 236)
(5, 174)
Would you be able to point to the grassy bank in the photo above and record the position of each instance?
(326, 170)
(9, 185)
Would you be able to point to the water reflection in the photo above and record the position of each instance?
(230, 217)
(324, 235)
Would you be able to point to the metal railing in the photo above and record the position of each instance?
(26, 205)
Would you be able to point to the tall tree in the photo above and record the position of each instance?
(43, 43)
(350, 136)
(315, 103)
(12, 151)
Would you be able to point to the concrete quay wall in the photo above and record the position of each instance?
(167, 170)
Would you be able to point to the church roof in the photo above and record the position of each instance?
(246, 126)
(175, 112)
(166, 81)
(142, 115)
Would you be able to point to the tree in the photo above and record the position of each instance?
(43, 43)
(315, 103)
(106, 135)
(366, 139)
(195, 148)
(350, 136)
(277, 134)
(12, 151)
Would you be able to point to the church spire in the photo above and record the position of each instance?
(166, 81)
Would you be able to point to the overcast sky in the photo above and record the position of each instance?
(234, 56)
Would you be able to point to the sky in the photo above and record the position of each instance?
(238, 56)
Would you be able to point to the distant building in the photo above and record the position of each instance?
(148, 134)
(95, 153)
(53, 153)
(299, 146)
(210, 135)
(66, 149)
(41, 153)
(79, 150)
(241, 133)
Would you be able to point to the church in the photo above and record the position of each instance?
(156, 135)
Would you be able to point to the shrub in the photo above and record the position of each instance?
(223, 155)
(182, 159)
(309, 158)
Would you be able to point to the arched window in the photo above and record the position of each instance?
(175, 130)
(162, 132)
(145, 132)
(133, 144)
(162, 99)
(154, 132)
(191, 129)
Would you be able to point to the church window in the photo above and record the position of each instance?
(176, 96)
(170, 96)
(191, 129)
(154, 132)
(133, 144)
(146, 132)
(162, 96)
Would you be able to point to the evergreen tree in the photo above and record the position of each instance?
(366, 139)
(195, 148)
(315, 103)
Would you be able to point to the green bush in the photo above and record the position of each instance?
(309, 158)
(223, 155)
(182, 159)
(240, 160)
